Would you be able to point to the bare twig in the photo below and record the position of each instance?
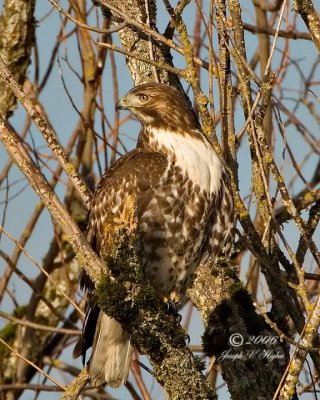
(85, 254)
(157, 64)
(47, 133)
(17, 354)
(39, 326)
(83, 25)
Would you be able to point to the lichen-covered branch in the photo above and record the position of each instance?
(286, 199)
(191, 75)
(74, 389)
(296, 364)
(226, 98)
(301, 203)
(16, 41)
(311, 18)
(136, 41)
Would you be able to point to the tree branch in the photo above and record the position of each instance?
(310, 16)
(16, 41)
(296, 363)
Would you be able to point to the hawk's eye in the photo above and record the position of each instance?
(143, 97)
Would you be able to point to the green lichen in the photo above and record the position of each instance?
(42, 320)
(150, 344)
(178, 336)
(8, 332)
(70, 169)
(145, 295)
(113, 299)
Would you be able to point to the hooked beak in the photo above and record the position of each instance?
(122, 104)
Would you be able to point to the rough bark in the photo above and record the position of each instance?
(138, 42)
(311, 18)
(16, 42)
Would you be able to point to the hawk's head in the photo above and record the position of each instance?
(159, 105)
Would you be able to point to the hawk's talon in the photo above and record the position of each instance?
(172, 308)
(179, 318)
(188, 339)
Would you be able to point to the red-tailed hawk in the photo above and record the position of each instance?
(184, 212)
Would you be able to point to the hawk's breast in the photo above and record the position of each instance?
(178, 221)
(194, 155)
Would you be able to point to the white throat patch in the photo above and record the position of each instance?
(196, 158)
